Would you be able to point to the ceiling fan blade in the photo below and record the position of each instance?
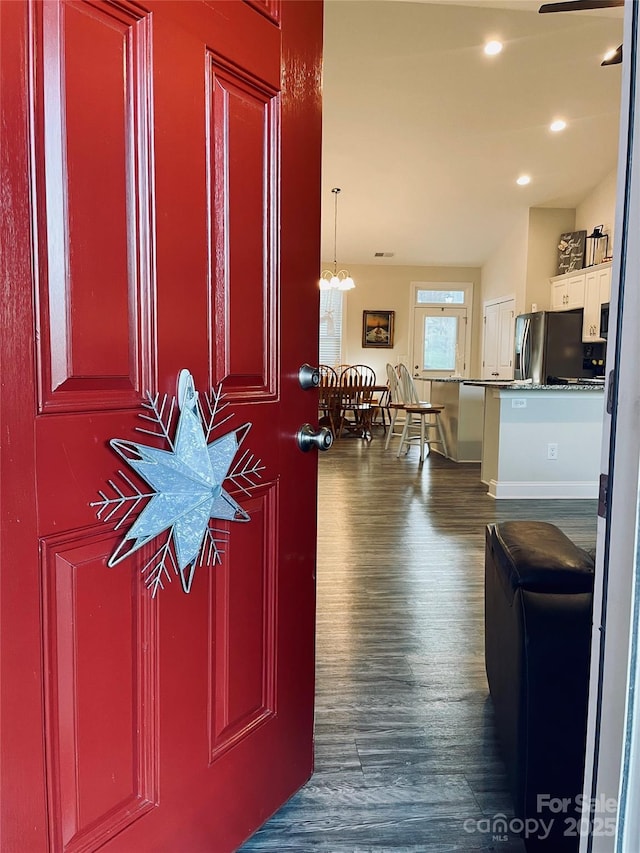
(580, 5)
(615, 58)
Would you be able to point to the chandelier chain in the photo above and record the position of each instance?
(335, 192)
(336, 279)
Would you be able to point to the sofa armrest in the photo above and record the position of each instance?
(538, 615)
(537, 556)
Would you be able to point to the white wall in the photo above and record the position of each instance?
(546, 224)
(388, 288)
(505, 272)
(599, 208)
(503, 275)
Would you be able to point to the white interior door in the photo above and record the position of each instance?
(497, 345)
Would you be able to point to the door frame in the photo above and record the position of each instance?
(498, 300)
(467, 287)
(612, 766)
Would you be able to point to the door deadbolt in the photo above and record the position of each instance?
(308, 377)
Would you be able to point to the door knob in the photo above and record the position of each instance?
(309, 438)
(308, 377)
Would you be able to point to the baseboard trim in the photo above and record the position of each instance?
(566, 490)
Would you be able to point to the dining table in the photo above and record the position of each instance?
(359, 400)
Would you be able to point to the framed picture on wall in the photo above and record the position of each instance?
(377, 329)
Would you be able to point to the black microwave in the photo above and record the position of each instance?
(604, 320)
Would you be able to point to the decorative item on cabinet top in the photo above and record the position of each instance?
(598, 246)
(571, 251)
(187, 485)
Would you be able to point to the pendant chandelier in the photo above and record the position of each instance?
(336, 279)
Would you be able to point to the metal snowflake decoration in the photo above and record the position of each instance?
(187, 483)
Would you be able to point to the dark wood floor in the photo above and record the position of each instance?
(405, 752)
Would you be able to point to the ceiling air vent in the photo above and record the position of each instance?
(383, 254)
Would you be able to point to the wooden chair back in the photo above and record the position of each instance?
(329, 399)
(328, 376)
(360, 376)
(409, 389)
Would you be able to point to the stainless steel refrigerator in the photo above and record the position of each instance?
(548, 345)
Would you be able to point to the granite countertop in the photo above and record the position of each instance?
(510, 385)
(529, 386)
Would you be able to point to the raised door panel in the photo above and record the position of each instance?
(269, 8)
(242, 164)
(506, 339)
(490, 342)
(590, 320)
(604, 295)
(604, 285)
(242, 673)
(558, 295)
(575, 291)
(597, 291)
(101, 728)
(91, 108)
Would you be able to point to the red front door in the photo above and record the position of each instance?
(160, 211)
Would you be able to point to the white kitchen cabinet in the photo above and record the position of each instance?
(567, 291)
(497, 348)
(597, 291)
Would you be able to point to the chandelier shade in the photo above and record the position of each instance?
(336, 279)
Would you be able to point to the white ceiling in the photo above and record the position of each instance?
(425, 135)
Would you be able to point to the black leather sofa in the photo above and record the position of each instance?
(538, 609)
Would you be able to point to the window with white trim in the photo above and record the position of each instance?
(439, 297)
(331, 315)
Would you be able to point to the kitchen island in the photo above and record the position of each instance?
(462, 417)
(542, 441)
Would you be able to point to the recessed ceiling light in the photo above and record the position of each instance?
(523, 180)
(493, 47)
(557, 125)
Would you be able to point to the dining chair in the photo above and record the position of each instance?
(356, 385)
(339, 368)
(328, 375)
(381, 409)
(395, 404)
(422, 419)
(377, 399)
(409, 390)
(329, 400)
